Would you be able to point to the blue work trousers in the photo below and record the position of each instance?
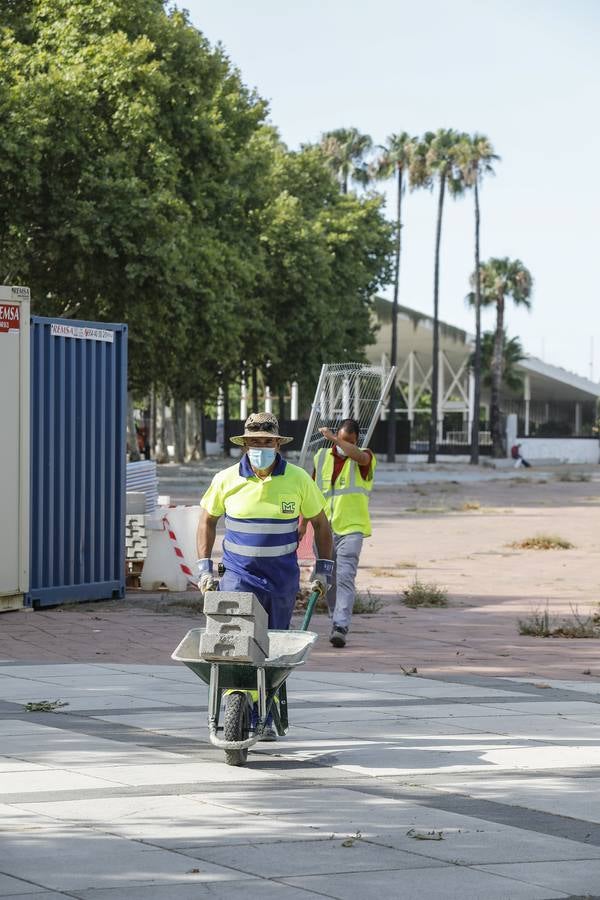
(279, 609)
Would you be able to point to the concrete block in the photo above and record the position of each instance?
(234, 603)
(135, 503)
(247, 625)
(231, 648)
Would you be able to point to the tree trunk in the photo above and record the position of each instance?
(254, 390)
(179, 430)
(477, 364)
(431, 456)
(191, 427)
(497, 366)
(201, 436)
(152, 435)
(391, 442)
(226, 444)
(134, 453)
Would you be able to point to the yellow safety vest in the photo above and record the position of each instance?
(348, 499)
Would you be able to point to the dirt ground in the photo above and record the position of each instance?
(455, 535)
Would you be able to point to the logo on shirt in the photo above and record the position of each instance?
(288, 506)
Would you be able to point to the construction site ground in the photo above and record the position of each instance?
(441, 754)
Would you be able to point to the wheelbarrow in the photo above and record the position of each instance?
(287, 651)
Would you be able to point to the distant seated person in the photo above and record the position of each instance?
(515, 452)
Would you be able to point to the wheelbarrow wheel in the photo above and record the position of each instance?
(236, 726)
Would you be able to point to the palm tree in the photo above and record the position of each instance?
(435, 160)
(512, 354)
(346, 149)
(394, 160)
(475, 158)
(501, 279)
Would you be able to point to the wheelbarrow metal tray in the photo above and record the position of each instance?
(288, 650)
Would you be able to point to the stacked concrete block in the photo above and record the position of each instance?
(136, 541)
(236, 628)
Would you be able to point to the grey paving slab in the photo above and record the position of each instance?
(173, 821)
(88, 700)
(413, 710)
(447, 883)
(200, 771)
(11, 727)
(333, 856)
(487, 844)
(63, 749)
(10, 887)
(553, 728)
(10, 764)
(581, 877)
(39, 895)
(551, 708)
(78, 860)
(384, 760)
(231, 890)
(423, 687)
(48, 780)
(555, 793)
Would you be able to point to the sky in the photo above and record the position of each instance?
(524, 72)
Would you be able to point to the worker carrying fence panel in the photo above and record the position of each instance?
(344, 474)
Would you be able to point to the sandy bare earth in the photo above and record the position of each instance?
(453, 534)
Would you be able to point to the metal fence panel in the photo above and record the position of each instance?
(78, 459)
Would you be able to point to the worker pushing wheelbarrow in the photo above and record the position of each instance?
(255, 692)
(262, 498)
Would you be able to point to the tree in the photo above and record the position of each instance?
(326, 254)
(394, 160)
(435, 160)
(501, 279)
(475, 159)
(512, 354)
(345, 150)
(125, 178)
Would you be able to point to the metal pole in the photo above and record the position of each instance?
(314, 410)
(384, 393)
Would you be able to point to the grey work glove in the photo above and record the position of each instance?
(206, 580)
(322, 575)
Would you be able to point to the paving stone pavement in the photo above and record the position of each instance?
(387, 784)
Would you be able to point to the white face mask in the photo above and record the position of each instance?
(340, 452)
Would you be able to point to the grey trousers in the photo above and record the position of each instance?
(340, 597)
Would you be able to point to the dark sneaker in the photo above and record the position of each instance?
(338, 636)
(269, 734)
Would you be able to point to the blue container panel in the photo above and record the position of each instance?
(78, 458)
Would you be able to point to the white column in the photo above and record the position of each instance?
(294, 401)
(577, 419)
(440, 410)
(527, 398)
(411, 386)
(243, 400)
(268, 399)
(345, 398)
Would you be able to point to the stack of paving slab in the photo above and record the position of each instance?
(141, 477)
(236, 628)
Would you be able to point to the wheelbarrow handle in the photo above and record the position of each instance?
(310, 608)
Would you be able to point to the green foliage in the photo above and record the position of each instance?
(512, 354)
(141, 184)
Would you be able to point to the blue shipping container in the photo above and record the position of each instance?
(78, 459)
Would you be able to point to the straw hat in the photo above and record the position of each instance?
(262, 424)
